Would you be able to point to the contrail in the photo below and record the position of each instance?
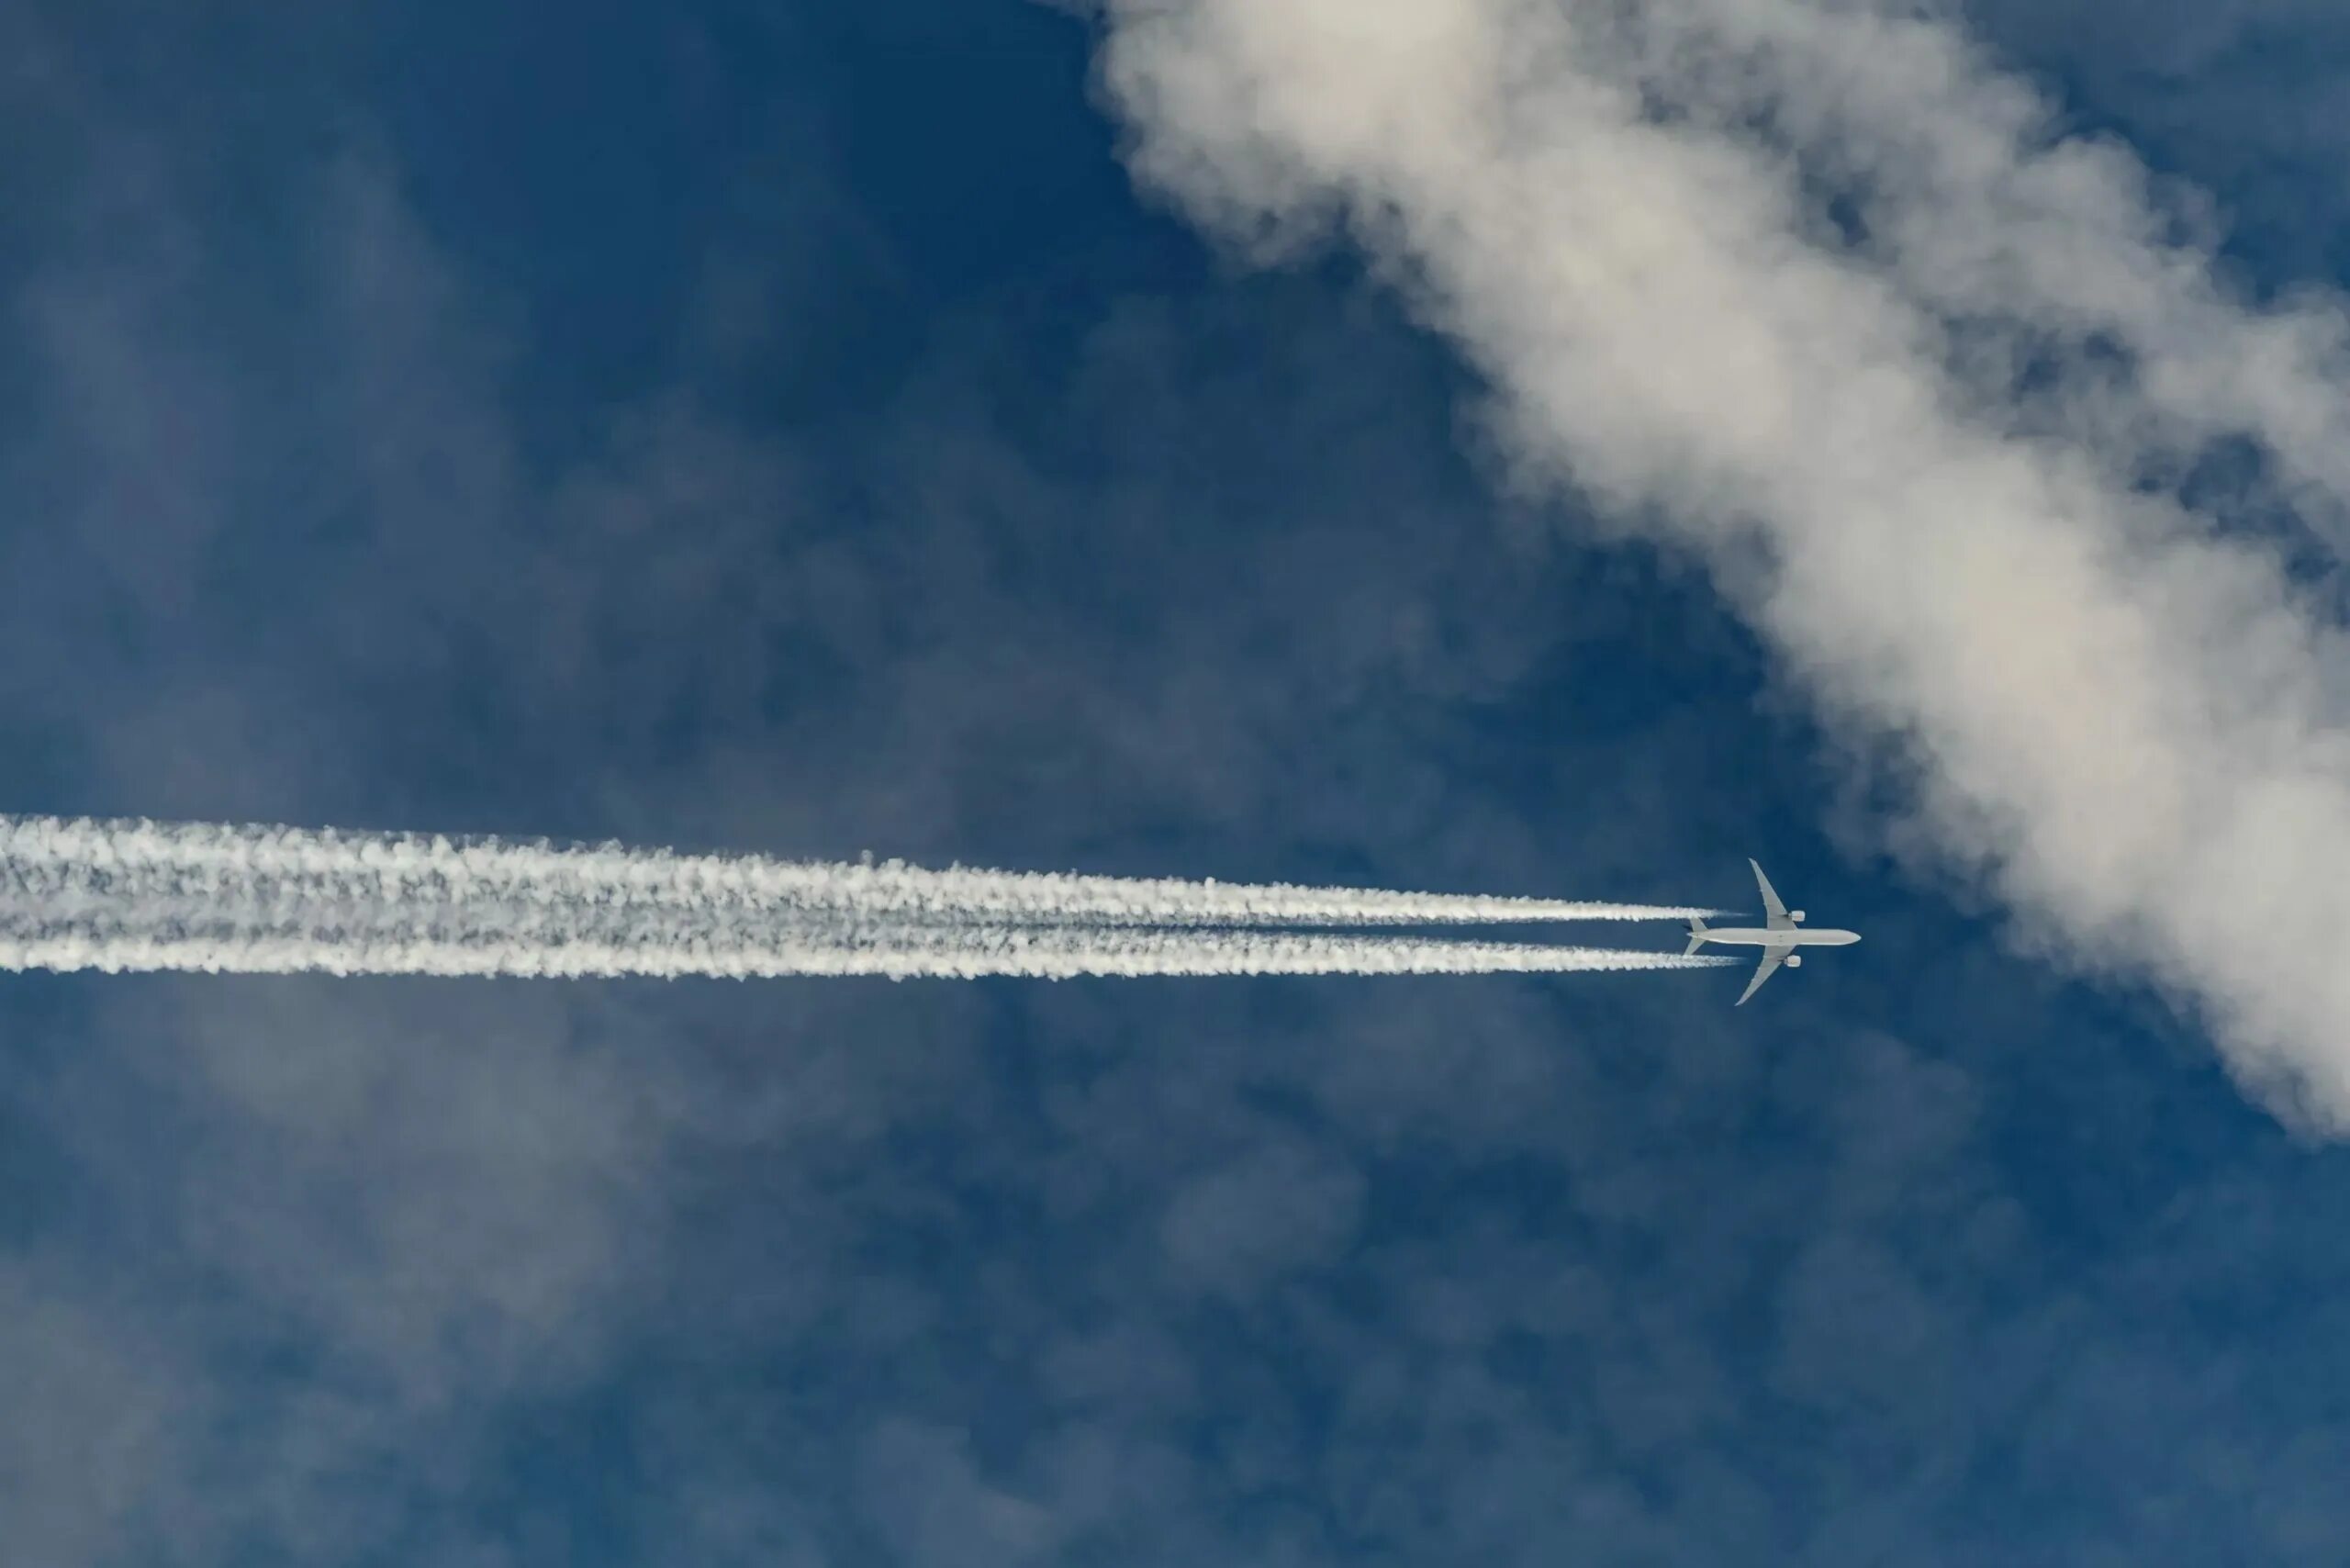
(953, 952)
(143, 896)
(57, 858)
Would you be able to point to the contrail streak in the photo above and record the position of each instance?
(129, 896)
(58, 858)
(957, 953)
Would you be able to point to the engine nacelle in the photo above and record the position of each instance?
(1795, 960)
(1796, 917)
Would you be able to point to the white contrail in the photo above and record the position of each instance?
(952, 952)
(143, 896)
(60, 859)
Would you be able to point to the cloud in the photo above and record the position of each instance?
(2125, 717)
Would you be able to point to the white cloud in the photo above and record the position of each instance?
(2127, 721)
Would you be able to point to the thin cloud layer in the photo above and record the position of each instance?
(1719, 284)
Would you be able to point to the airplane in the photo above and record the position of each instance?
(1780, 936)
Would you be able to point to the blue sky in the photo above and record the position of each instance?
(784, 428)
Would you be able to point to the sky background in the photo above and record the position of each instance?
(781, 427)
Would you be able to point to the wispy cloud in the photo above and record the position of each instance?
(1731, 270)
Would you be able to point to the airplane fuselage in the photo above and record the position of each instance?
(1801, 937)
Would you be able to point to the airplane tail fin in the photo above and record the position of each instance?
(1696, 936)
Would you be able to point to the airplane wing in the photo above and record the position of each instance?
(1776, 911)
(1762, 971)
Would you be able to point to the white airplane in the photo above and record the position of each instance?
(1781, 935)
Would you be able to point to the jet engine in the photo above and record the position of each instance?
(1795, 960)
(1796, 916)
